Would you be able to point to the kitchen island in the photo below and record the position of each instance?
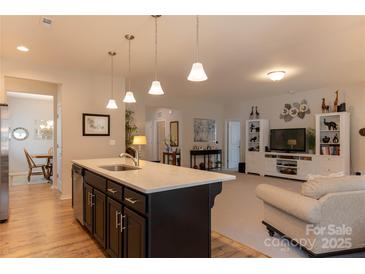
(153, 210)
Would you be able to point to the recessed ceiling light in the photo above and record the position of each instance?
(22, 48)
(276, 75)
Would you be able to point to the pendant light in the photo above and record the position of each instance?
(129, 97)
(112, 104)
(197, 73)
(156, 88)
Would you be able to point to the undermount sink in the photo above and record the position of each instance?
(119, 167)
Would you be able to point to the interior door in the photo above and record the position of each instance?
(234, 144)
(99, 204)
(160, 139)
(114, 235)
(88, 212)
(134, 235)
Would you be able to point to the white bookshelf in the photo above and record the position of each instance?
(333, 155)
(257, 138)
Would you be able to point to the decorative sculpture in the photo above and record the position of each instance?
(335, 103)
(325, 108)
(330, 125)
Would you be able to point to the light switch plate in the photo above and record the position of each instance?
(112, 142)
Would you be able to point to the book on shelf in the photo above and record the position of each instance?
(330, 150)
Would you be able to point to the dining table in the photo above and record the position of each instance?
(49, 166)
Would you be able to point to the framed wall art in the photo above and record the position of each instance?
(95, 124)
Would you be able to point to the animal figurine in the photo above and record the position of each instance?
(325, 108)
(257, 114)
(252, 127)
(330, 125)
(251, 114)
(253, 139)
(335, 103)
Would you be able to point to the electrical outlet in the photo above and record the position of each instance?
(112, 142)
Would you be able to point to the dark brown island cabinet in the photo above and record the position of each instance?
(129, 224)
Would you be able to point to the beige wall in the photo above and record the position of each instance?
(78, 92)
(189, 108)
(270, 108)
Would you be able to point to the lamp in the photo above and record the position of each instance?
(129, 96)
(156, 88)
(112, 104)
(139, 140)
(197, 73)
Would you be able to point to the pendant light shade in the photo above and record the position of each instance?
(112, 104)
(197, 73)
(129, 96)
(156, 88)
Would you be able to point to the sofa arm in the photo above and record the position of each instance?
(295, 204)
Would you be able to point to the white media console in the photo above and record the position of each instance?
(331, 155)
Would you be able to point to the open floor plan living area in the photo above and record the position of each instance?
(182, 136)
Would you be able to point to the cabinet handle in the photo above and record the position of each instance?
(130, 200)
(112, 191)
(117, 223)
(92, 200)
(122, 227)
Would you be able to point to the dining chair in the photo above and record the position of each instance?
(32, 165)
(49, 164)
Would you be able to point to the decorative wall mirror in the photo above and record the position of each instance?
(174, 133)
(20, 133)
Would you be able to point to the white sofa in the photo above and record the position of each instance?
(327, 218)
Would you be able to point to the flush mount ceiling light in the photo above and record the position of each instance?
(197, 73)
(22, 48)
(129, 97)
(276, 75)
(156, 88)
(112, 104)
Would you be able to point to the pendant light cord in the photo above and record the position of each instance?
(129, 65)
(156, 48)
(112, 78)
(197, 38)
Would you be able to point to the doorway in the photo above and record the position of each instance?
(233, 144)
(31, 146)
(160, 139)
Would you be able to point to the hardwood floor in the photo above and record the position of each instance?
(41, 226)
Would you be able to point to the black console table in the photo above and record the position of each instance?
(207, 155)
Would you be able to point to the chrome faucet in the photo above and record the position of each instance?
(135, 160)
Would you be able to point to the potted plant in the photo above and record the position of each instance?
(130, 127)
(311, 140)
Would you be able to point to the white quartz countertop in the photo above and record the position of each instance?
(153, 177)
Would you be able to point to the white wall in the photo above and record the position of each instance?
(270, 108)
(79, 92)
(23, 112)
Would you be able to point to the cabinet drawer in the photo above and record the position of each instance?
(95, 180)
(134, 200)
(114, 191)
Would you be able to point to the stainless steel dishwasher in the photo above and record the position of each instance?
(78, 193)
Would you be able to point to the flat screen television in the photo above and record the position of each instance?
(288, 140)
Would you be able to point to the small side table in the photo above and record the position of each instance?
(171, 158)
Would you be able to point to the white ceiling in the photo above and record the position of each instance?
(237, 51)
